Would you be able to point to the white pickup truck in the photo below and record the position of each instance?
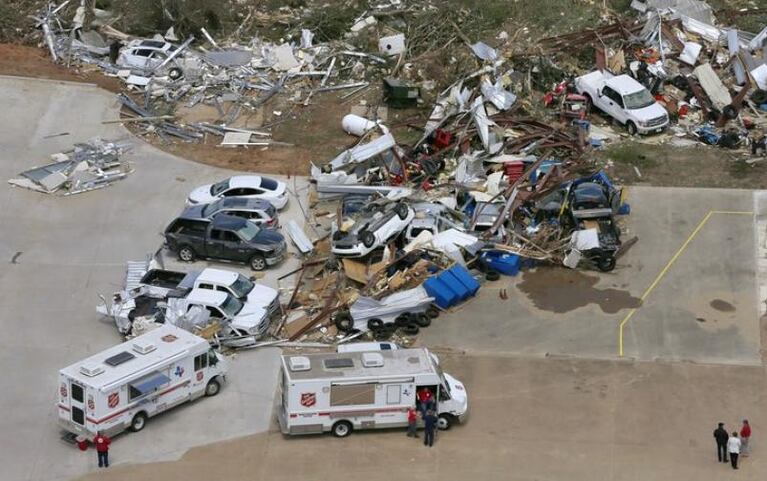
(624, 99)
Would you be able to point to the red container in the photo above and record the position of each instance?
(442, 139)
(514, 170)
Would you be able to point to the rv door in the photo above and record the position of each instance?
(77, 405)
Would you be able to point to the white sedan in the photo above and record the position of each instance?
(250, 186)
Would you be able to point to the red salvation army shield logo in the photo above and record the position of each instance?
(308, 399)
(113, 400)
(91, 404)
(199, 376)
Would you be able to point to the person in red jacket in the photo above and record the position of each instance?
(102, 443)
(425, 399)
(745, 434)
(412, 419)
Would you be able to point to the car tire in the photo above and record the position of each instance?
(138, 422)
(344, 322)
(368, 239)
(423, 320)
(175, 73)
(402, 211)
(186, 254)
(213, 387)
(411, 329)
(492, 276)
(730, 112)
(341, 429)
(375, 324)
(631, 128)
(432, 312)
(606, 264)
(258, 263)
(445, 422)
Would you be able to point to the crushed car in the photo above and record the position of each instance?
(375, 225)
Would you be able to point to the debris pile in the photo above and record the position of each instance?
(90, 166)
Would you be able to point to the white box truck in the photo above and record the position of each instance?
(341, 392)
(123, 386)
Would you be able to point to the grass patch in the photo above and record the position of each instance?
(635, 154)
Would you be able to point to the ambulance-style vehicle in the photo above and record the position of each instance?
(123, 386)
(341, 392)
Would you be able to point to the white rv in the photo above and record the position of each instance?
(341, 392)
(123, 386)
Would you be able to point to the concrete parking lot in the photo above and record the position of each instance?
(59, 253)
(688, 290)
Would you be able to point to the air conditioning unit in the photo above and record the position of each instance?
(143, 347)
(372, 359)
(91, 370)
(300, 363)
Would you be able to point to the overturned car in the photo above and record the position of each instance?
(373, 226)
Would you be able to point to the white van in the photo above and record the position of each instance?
(123, 386)
(341, 392)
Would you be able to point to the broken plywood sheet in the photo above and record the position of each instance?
(712, 85)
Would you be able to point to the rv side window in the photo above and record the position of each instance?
(77, 392)
(352, 395)
(201, 361)
(212, 358)
(393, 394)
(146, 385)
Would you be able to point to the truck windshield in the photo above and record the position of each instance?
(638, 100)
(231, 306)
(212, 208)
(242, 286)
(248, 232)
(216, 189)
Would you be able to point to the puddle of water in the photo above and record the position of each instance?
(562, 290)
(722, 306)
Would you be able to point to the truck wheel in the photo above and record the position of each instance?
(445, 422)
(402, 211)
(368, 239)
(138, 422)
(606, 264)
(631, 128)
(212, 388)
(341, 429)
(258, 263)
(375, 324)
(186, 254)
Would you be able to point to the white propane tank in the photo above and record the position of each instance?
(356, 125)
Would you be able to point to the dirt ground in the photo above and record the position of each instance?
(530, 419)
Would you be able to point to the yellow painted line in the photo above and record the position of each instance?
(668, 266)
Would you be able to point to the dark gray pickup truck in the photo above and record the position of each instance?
(226, 238)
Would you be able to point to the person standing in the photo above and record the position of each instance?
(102, 443)
(745, 435)
(430, 426)
(721, 436)
(733, 446)
(411, 423)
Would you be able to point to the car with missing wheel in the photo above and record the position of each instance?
(345, 392)
(225, 238)
(259, 211)
(123, 386)
(248, 186)
(373, 226)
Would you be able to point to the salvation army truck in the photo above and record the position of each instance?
(123, 386)
(341, 392)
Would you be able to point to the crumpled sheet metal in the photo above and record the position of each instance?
(364, 152)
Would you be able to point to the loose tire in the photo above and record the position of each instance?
(368, 239)
(341, 429)
(445, 422)
(375, 324)
(730, 112)
(631, 128)
(186, 254)
(138, 422)
(423, 320)
(258, 263)
(492, 276)
(432, 312)
(411, 329)
(213, 388)
(344, 322)
(402, 320)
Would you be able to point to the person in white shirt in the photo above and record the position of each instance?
(733, 446)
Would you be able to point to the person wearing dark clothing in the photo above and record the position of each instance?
(102, 443)
(412, 419)
(721, 436)
(430, 426)
(114, 51)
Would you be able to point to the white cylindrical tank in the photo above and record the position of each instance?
(356, 125)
